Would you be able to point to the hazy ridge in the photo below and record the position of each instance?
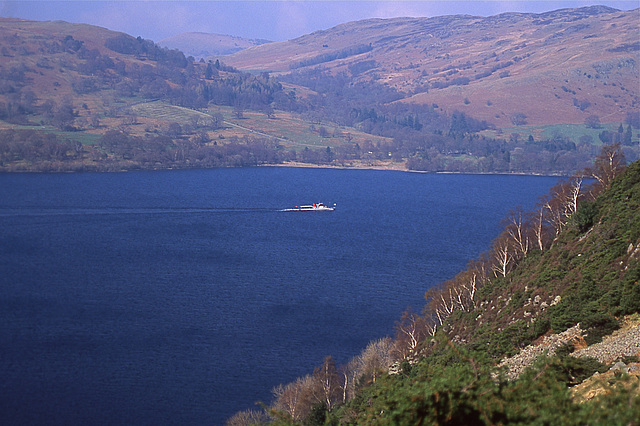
(202, 45)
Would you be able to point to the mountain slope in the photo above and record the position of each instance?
(560, 66)
(80, 97)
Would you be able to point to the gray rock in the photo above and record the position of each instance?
(614, 347)
(620, 366)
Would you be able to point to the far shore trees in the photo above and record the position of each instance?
(592, 122)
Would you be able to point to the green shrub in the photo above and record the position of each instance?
(564, 315)
(572, 371)
(630, 300)
(540, 327)
(598, 325)
(317, 416)
(510, 340)
(584, 217)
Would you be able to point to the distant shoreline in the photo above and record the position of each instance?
(114, 168)
(393, 166)
(401, 168)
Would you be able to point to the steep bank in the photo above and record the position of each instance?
(566, 298)
(561, 281)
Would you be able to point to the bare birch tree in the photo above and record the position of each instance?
(248, 418)
(366, 367)
(437, 306)
(562, 203)
(539, 227)
(519, 231)
(555, 212)
(294, 399)
(377, 357)
(502, 250)
(609, 164)
(470, 281)
(411, 332)
(574, 194)
(326, 387)
(349, 379)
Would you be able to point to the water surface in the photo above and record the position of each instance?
(182, 297)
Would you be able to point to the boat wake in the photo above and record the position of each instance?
(73, 211)
(80, 211)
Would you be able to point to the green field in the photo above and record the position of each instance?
(82, 137)
(571, 131)
(286, 128)
(171, 113)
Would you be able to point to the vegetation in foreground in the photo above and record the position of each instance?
(574, 260)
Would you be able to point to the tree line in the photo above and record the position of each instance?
(36, 147)
(30, 150)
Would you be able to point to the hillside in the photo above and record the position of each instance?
(476, 354)
(202, 45)
(555, 67)
(76, 97)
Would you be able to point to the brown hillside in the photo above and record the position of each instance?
(555, 67)
(37, 50)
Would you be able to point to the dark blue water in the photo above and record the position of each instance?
(181, 297)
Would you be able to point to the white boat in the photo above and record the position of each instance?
(315, 207)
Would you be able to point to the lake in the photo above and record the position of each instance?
(181, 297)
